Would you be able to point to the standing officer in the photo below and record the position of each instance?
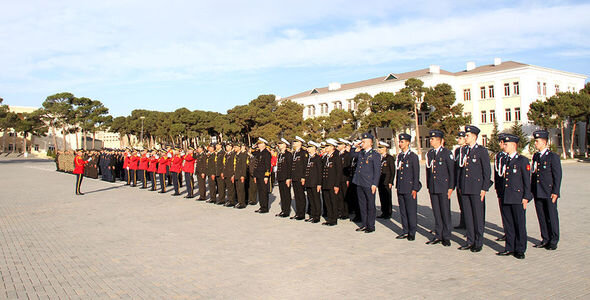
(201, 170)
(366, 177)
(331, 179)
(262, 175)
(228, 174)
(346, 161)
(189, 169)
(252, 190)
(211, 171)
(152, 168)
(241, 175)
(546, 184)
(133, 163)
(163, 163)
(386, 180)
(126, 156)
(474, 182)
(408, 185)
(284, 169)
(219, 178)
(79, 164)
(457, 154)
(175, 170)
(499, 169)
(440, 180)
(313, 182)
(517, 194)
(142, 168)
(298, 167)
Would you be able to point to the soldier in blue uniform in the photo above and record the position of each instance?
(366, 177)
(408, 185)
(457, 154)
(298, 167)
(474, 182)
(313, 182)
(386, 180)
(440, 180)
(517, 194)
(499, 169)
(331, 178)
(545, 185)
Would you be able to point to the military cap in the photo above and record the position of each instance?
(284, 141)
(472, 129)
(436, 133)
(404, 136)
(510, 138)
(343, 141)
(331, 142)
(541, 134)
(299, 139)
(501, 136)
(461, 134)
(366, 135)
(313, 144)
(261, 140)
(383, 144)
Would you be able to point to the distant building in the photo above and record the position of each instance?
(501, 91)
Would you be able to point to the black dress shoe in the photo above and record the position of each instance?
(466, 247)
(551, 247)
(240, 206)
(258, 210)
(220, 203)
(384, 217)
(202, 199)
(369, 230)
(251, 203)
(343, 217)
(308, 220)
(356, 220)
(299, 218)
(504, 253)
(540, 245)
(160, 192)
(475, 249)
(433, 242)
(176, 194)
(501, 239)
(210, 201)
(315, 221)
(460, 226)
(361, 229)
(411, 237)
(402, 236)
(227, 204)
(519, 255)
(446, 243)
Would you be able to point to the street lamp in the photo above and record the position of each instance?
(141, 138)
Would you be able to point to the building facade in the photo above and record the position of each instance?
(500, 92)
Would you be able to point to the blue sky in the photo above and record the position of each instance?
(213, 55)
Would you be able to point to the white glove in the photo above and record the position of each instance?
(147, 155)
(182, 153)
(170, 155)
(90, 159)
(127, 168)
(157, 156)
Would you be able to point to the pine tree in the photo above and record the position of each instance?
(493, 144)
(516, 130)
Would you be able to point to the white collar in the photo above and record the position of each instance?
(542, 152)
(437, 149)
(406, 152)
(513, 155)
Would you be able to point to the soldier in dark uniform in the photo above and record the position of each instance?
(219, 178)
(241, 175)
(298, 167)
(346, 161)
(517, 194)
(366, 178)
(440, 180)
(201, 171)
(211, 174)
(228, 175)
(545, 186)
(284, 169)
(408, 185)
(460, 144)
(499, 168)
(252, 189)
(312, 182)
(474, 182)
(262, 175)
(331, 179)
(386, 180)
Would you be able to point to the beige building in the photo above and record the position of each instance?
(500, 91)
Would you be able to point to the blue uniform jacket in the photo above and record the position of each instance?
(546, 179)
(408, 173)
(476, 171)
(440, 177)
(368, 168)
(517, 184)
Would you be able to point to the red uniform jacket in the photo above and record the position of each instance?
(176, 164)
(79, 163)
(164, 161)
(133, 160)
(152, 167)
(189, 164)
(143, 163)
(125, 162)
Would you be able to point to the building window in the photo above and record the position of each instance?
(483, 92)
(311, 110)
(517, 114)
(51, 148)
(492, 116)
(508, 115)
(37, 147)
(419, 119)
(337, 105)
(483, 117)
(11, 133)
(324, 108)
(484, 140)
(506, 89)
(516, 88)
(467, 94)
(426, 142)
(350, 105)
(538, 87)
(557, 88)
(545, 88)
(491, 91)
(467, 114)
(10, 147)
(426, 116)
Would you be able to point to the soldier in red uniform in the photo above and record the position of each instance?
(142, 168)
(126, 156)
(152, 168)
(133, 162)
(79, 163)
(175, 169)
(189, 169)
(163, 164)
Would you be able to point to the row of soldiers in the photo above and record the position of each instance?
(347, 176)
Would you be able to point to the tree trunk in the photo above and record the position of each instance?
(15, 141)
(24, 143)
(84, 143)
(54, 138)
(572, 140)
(562, 140)
(249, 142)
(64, 136)
(4, 140)
(94, 140)
(586, 138)
(418, 144)
(77, 145)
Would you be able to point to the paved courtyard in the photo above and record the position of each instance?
(122, 242)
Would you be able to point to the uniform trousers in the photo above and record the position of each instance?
(367, 208)
(474, 219)
(331, 201)
(441, 207)
(300, 202)
(515, 227)
(315, 203)
(408, 209)
(548, 220)
(285, 193)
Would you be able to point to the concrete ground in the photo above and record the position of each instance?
(122, 242)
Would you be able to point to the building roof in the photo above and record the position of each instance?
(404, 76)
